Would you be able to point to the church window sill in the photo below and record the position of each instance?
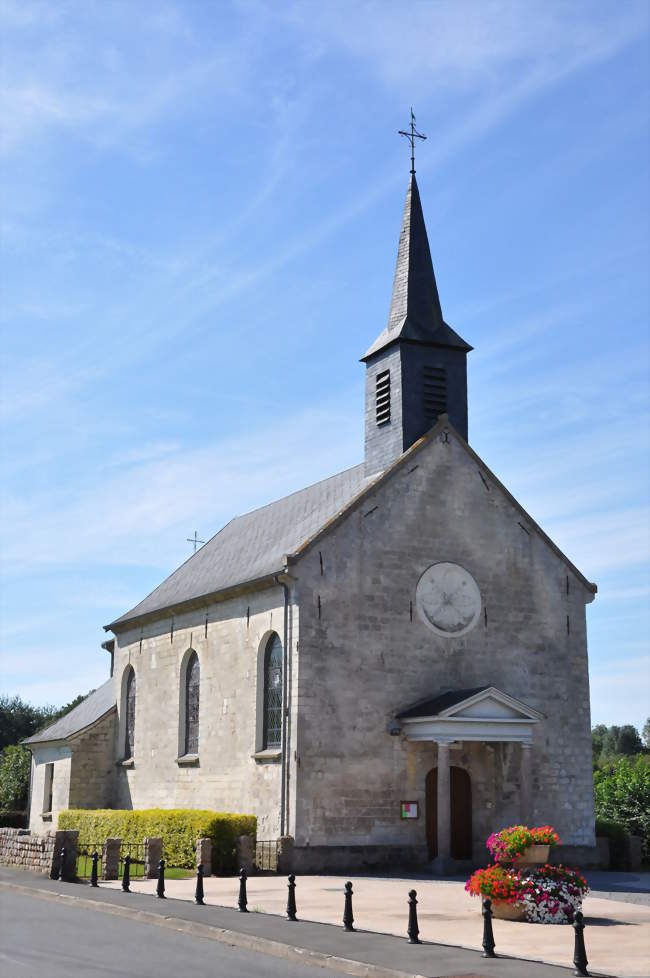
(188, 760)
(127, 762)
(268, 754)
(46, 816)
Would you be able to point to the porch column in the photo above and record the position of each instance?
(526, 789)
(441, 862)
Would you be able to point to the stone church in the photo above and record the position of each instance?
(386, 666)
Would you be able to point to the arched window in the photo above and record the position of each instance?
(273, 692)
(192, 683)
(129, 709)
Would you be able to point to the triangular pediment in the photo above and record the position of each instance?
(481, 703)
(491, 704)
(481, 714)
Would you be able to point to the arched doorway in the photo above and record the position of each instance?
(461, 813)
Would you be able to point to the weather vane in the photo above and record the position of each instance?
(412, 136)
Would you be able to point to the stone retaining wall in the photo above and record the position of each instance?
(40, 853)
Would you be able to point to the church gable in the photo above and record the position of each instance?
(442, 447)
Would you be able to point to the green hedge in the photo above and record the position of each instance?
(13, 820)
(617, 835)
(179, 829)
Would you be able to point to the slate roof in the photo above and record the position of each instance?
(434, 707)
(253, 546)
(415, 311)
(93, 708)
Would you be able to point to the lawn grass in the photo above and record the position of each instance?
(84, 866)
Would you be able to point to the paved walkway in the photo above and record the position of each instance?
(362, 954)
(617, 934)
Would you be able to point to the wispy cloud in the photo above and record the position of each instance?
(125, 522)
(187, 192)
(112, 82)
(455, 46)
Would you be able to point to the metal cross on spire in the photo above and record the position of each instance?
(195, 540)
(412, 136)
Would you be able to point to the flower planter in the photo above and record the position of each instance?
(533, 856)
(509, 911)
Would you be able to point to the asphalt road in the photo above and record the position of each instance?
(40, 937)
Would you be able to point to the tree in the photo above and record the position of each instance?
(628, 741)
(610, 742)
(622, 794)
(646, 733)
(19, 719)
(598, 735)
(14, 777)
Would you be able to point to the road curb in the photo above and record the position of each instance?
(249, 942)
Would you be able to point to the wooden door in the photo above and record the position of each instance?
(461, 813)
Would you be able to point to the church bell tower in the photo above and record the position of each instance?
(416, 369)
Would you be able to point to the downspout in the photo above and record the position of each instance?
(30, 786)
(285, 676)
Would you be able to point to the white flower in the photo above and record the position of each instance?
(551, 902)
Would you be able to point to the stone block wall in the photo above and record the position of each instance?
(365, 654)
(226, 776)
(39, 853)
(40, 820)
(92, 768)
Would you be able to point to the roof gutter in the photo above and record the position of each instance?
(123, 624)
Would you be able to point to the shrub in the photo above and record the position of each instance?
(179, 829)
(511, 842)
(617, 835)
(15, 762)
(13, 820)
(622, 794)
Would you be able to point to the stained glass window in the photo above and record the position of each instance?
(192, 682)
(129, 739)
(273, 692)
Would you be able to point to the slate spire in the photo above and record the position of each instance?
(415, 311)
(415, 293)
(416, 370)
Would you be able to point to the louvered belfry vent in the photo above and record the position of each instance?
(382, 397)
(434, 391)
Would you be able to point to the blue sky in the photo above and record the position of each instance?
(200, 212)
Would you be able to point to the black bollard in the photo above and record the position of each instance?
(579, 952)
(160, 888)
(488, 936)
(242, 903)
(413, 929)
(62, 865)
(198, 893)
(126, 874)
(93, 868)
(291, 899)
(348, 918)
